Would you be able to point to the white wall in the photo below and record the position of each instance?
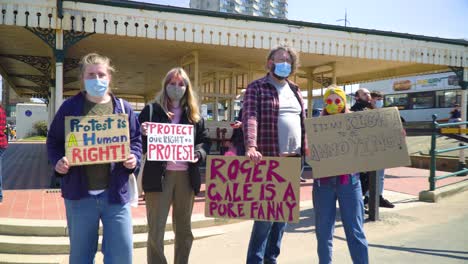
(26, 116)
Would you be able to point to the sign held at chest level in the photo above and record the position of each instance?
(238, 188)
(96, 139)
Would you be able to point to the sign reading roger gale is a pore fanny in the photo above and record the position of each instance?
(356, 142)
(238, 188)
(96, 139)
(170, 142)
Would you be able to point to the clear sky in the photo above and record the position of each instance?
(435, 18)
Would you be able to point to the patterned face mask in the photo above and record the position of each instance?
(334, 105)
(175, 92)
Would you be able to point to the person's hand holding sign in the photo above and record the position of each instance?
(62, 166)
(197, 157)
(131, 162)
(253, 154)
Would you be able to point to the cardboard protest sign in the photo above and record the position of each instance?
(219, 129)
(96, 139)
(356, 142)
(238, 188)
(170, 142)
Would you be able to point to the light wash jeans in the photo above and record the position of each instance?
(83, 224)
(325, 195)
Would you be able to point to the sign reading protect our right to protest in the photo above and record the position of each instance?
(170, 142)
(238, 188)
(356, 142)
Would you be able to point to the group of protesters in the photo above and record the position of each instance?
(272, 125)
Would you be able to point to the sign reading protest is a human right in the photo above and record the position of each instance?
(170, 142)
(356, 142)
(96, 139)
(238, 188)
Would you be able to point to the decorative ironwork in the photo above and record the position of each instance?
(40, 80)
(40, 63)
(46, 34)
(459, 73)
(68, 80)
(71, 37)
(324, 81)
(70, 64)
(35, 89)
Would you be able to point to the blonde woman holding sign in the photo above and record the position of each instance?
(98, 192)
(169, 182)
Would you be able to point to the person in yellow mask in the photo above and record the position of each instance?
(347, 190)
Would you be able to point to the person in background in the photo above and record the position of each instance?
(377, 102)
(3, 145)
(455, 114)
(363, 100)
(347, 190)
(273, 123)
(99, 192)
(173, 183)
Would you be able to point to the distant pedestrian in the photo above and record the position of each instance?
(3, 145)
(455, 114)
(377, 103)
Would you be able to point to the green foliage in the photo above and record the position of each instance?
(41, 128)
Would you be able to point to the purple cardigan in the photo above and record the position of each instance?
(75, 184)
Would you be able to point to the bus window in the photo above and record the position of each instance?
(448, 98)
(398, 100)
(422, 100)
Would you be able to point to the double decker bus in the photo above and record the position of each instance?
(419, 97)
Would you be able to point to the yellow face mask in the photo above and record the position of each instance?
(334, 104)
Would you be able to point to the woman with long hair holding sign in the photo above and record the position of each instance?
(98, 191)
(171, 172)
(347, 190)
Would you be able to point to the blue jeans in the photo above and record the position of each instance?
(351, 205)
(381, 179)
(2, 150)
(83, 224)
(265, 242)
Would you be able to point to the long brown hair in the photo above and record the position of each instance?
(188, 101)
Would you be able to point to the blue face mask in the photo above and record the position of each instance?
(282, 69)
(379, 103)
(96, 87)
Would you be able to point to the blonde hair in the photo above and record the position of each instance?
(189, 100)
(93, 59)
(292, 54)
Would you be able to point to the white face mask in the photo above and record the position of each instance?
(379, 104)
(175, 92)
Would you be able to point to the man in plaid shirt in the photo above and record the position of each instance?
(273, 123)
(3, 145)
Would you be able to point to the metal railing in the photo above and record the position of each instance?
(436, 130)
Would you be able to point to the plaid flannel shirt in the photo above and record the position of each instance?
(260, 117)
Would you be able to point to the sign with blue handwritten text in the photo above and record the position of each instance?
(356, 142)
(170, 142)
(96, 139)
(240, 189)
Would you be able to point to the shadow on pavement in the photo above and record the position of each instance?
(425, 251)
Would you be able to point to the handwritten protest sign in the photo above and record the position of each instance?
(356, 142)
(238, 188)
(96, 139)
(170, 142)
